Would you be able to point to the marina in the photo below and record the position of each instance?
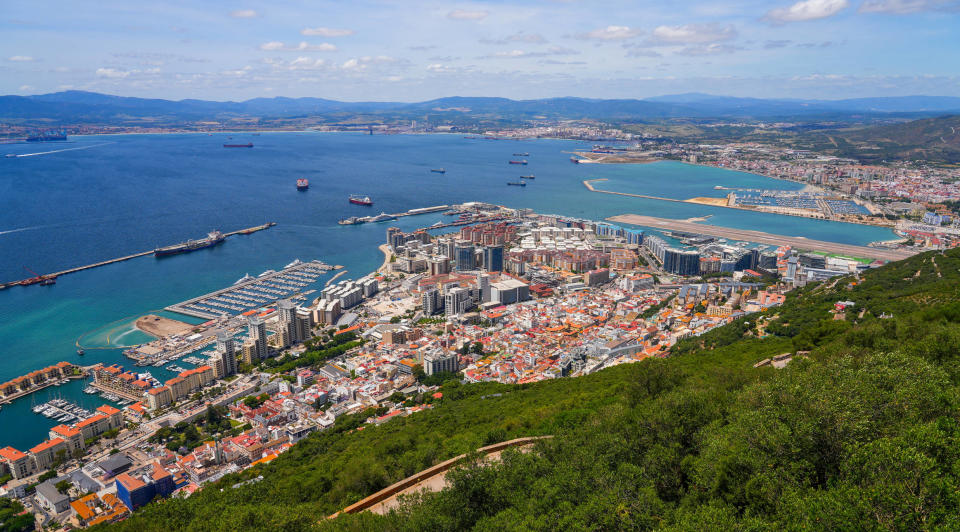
(62, 411)
(252, 292)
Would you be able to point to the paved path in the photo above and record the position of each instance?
(760, 237)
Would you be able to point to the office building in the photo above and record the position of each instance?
(493, 258)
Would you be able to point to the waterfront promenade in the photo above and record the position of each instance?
(796, 242)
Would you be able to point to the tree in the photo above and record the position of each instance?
(63, 486)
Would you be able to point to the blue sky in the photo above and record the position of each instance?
(414, 50)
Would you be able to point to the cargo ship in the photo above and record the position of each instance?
(516, 183)
(523, 162)
(213, 238)
(531, 176)
(521, 155)
(357, 199)
(438, 170)
(247, 145)
(303, 184)
(47, 137)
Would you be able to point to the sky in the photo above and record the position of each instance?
(413, 50)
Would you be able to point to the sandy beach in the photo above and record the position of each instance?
(387, 254)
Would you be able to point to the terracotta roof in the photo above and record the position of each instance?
(129, 482)
(11, 455)
(108, 410)
(46, 445)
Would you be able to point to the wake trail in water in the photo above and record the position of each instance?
(63, 150)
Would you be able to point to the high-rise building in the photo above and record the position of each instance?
(287, 312)
(493, 258)
(225, 355)
(682, 262)
(303, 325)
(457, 301)
(483, 287)
(465, 256)
(431, 301)
(257, 332)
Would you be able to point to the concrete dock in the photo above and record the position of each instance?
(796, 242)
(54, 275)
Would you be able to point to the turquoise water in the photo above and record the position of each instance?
(78, 207)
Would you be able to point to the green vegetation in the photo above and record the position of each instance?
(189, 436)
(316, 354)
(12, 518)
(863, 432)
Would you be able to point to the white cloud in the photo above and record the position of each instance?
(530, 38)
(277, 46)
(693, 34)
(112, 73)
(806, 10)
(358, 64)
(440, 68)
(243, 13)
(464, 14)
(610, 33)
(21, 58)
(708, 49)
(515, 54)
(26, 88)
(326, 32)
(902, 7)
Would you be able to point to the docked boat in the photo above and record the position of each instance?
(90, 390)
(516, 183)
(574, 160)
(521, 161)
(213, 238)
(353, 220)
(531, 176)
(438, 170)
(357, 199)
(303, 184)
(383, 217)
(243, 279)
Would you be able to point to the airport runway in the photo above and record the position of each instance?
(760, 237)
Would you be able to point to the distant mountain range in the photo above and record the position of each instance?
(71, 107)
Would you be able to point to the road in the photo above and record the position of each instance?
(760, 237)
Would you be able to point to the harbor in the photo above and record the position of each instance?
(50, 278)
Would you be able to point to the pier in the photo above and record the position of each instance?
(54, 275)
(796, 242)
(384, 217)
(254, 292)
(466, 222)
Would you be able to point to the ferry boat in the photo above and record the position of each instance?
(247, 145)
(438, 170)
(213, 238)
(521, 161)
(303, 184)
(357, 199)
(516, 183)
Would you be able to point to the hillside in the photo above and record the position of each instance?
(862, 433)
(932, 139)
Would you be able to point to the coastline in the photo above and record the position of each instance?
(387, 255)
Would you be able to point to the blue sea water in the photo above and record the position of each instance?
(131, 193)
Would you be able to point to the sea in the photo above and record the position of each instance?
(94, 198)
